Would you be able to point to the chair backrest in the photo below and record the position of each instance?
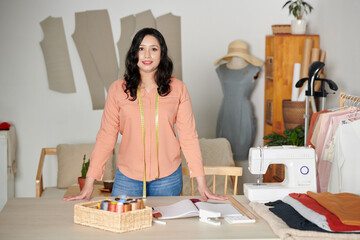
(69, 157)
(215, 152)
(232, 172)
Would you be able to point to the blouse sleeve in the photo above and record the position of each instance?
(107, 135)
(188, 137)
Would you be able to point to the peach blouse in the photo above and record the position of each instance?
(123, 116)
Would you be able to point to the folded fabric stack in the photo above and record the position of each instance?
(316, 215)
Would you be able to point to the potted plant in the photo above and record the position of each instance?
(298, 8)
(84, 169)
(293, 137)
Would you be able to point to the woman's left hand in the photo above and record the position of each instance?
(205, 191)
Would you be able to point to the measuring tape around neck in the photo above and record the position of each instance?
(144, 132)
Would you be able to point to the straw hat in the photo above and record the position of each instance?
(239, 48)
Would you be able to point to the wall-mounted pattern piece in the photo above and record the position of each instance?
(144, 19)
(170, 27)
(94, 41)
(127, 32)
(56, 55)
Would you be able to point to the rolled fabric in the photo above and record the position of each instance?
(296, 77)
(315, 56)
(322, 59)
(323, 56)
(308, 44)
(306, 57)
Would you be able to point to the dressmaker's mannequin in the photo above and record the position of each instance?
(236, 121)
(236, 63)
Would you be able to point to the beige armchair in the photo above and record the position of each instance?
(69, 158)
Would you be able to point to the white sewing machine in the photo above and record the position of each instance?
(300, 173)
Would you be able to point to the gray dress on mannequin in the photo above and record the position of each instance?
(236, 121)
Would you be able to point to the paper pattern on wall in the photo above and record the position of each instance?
(127, 32)
(144, 19)
(94, 41)
(56, 55)
(170, 27)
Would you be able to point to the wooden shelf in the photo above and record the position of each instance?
(281, 53)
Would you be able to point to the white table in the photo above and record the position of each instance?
(37, 218)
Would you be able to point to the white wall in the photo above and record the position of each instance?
(44, 118)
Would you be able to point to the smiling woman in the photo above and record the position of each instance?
(144, 108)
(149, 58)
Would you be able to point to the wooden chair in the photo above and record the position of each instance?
(233, 172)
(39, 177)
(55, 191)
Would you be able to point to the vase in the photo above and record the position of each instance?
(298, 26)
(81, 182)
(293, 114)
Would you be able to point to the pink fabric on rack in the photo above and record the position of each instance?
(327, 155)
(313, 121)
(318, 139)
(344, 176)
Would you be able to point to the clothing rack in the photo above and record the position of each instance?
(347, 100)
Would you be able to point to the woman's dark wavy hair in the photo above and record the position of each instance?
(164, 70)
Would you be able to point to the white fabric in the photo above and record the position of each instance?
(344, 176)
(309, 214)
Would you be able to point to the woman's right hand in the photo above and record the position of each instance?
(85, 192)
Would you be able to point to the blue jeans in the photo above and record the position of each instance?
(167, 186)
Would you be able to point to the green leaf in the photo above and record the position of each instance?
(286, 3)
(291, 137)
(85, 167)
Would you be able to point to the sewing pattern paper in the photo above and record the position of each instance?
(170, 27)
(94, 41)
(56, 55)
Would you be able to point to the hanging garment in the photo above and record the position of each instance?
(320, 131)
(344, 176)
(56, 55)
(124, 43)
(170, 27)
(325, 162)
(95, 44)
(314, 119)
(236, 121)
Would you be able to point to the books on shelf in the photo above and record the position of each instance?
(186, 208)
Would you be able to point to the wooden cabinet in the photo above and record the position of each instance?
(281, 52)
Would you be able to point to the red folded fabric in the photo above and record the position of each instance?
(334, 222)
(5, 126)
(346, 206)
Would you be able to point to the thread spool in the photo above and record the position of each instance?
(104, 205)
(141, 202)
(127, 207)
(135, 205)
(120, 207)
(112, 207)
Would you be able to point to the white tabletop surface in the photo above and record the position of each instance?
(44, 218)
